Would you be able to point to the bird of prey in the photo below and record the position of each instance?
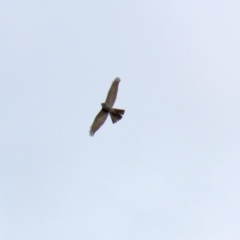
(115, 114)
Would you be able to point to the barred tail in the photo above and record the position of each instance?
(116, 114)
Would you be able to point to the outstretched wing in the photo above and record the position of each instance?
(112, 93)
(98, 122)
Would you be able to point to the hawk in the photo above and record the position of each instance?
(115, 114)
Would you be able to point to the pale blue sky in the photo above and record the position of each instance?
(170, 169)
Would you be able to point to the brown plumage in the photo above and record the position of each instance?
(115, 114)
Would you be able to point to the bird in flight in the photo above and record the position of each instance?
(115, 114)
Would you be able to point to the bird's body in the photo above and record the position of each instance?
(106, 107)
(116, 114)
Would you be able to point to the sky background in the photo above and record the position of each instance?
(170, 169)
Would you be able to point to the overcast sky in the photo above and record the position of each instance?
(170, 169)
